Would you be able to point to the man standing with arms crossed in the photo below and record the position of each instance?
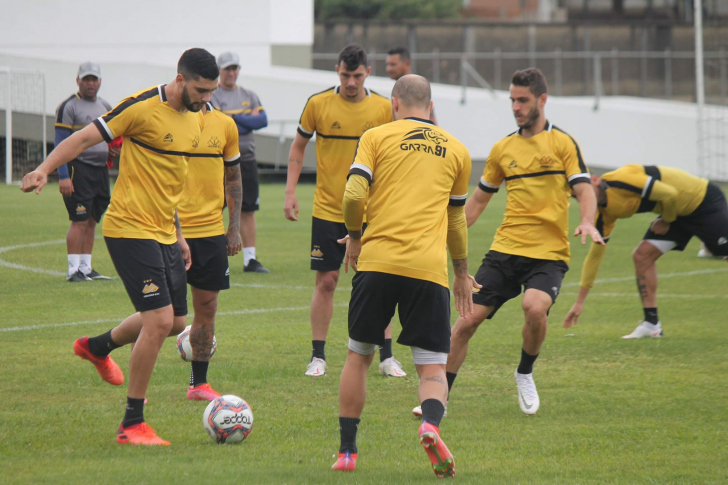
(541, 166)
(84, 181)
(338, 116)
(245, 109)
(414, 178)
(161, 127)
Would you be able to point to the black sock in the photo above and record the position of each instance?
(134, 412)
(318, 349)
(432, 411)
(198, 375)
(450, 380)
(348, 428)
(651, 315)
(526, 365)
(385, 351)
(102, 345)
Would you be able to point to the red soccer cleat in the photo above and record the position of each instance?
(203, 392)
(139, 434)
(442, 461)
(105, 366)
(346, 462)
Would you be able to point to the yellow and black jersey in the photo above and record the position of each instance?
(633, 189)
(415, 171)
(201, 204)
(338, 125)
(539, 173)
(158, 141)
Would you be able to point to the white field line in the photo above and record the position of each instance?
(660, 296)
(8, 264)
(117, 320)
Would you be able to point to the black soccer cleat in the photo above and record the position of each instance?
(77, 277)
(255, 267)
(94, 275)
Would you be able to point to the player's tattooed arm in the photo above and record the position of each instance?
(234, 197)
(460, 267)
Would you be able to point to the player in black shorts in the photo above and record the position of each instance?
(541, 165)
(687, 206)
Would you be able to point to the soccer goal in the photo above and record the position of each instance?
(23, 130)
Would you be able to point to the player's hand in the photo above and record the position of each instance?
(659, 226)
(114, 152)
(463, 291)
(572, 318)
(34, 180)
(233, 241)
(587, 228)
(184, 248)
(65, 186)
(290, 207)
(353, 250)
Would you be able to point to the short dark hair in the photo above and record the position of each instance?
(532, 78)
(196, 63)
(353, 56)
(402, 52)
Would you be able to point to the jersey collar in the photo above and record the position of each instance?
(337, 90)
(547, 128)
(421, 120)
(162, 92)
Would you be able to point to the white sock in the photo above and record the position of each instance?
(85, 265)
(73, 262)
(248, 254)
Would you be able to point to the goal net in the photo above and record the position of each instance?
(23, 129)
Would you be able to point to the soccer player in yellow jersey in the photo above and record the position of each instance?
(414, 178)
(161, 128)
(338, 116)
(687, 206)
(541, 166)
(200, 214)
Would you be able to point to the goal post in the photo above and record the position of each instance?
(25, 133)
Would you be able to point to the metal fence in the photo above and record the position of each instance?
(664, 74)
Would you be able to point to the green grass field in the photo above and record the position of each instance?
(612, 411)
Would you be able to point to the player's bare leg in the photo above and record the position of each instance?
(645, 257)
(536, 304)
(322, 309)
(87, 243)
(201, 334)
(156, 326)
(462, 332)
(127, 332)
(248, 229)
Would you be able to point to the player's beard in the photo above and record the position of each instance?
(187, 101)
(531, 119)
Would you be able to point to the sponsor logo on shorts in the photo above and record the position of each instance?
(227, 271)
(317, 253)
(81, 209)
(168, 138)
(722, 241)
(476, 291)
(150, 289)
(555, 290)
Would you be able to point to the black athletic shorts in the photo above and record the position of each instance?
(326, 253)
(423, 307)
(209, 270)
(153, 273)
(709, 222)
(502, 276)
(251, 191)
(91, 194)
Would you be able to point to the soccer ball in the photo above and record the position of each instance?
(185, 349)
(228, 419)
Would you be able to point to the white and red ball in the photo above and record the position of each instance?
(185, 349)
(228, 419)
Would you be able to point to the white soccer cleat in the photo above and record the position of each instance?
(417, 411)
(527, 393)
(316, 368)
(645, 330)
(391, 367)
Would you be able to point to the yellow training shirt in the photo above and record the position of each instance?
(200, 207)
(415, 170)
(338, 124)
(634, 188)
(539, 173)
(158, 141)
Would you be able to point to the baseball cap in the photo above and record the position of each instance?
(89, 69)
(227, 59)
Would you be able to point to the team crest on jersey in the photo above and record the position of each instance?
(546, 161)
(196, 142)
(513, 164)
(426, 134)
(150, 289)
(80, 209)
(214, 142)
(168, 138)
(317, 253)
(336, 125)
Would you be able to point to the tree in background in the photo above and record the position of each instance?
(387, 9)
